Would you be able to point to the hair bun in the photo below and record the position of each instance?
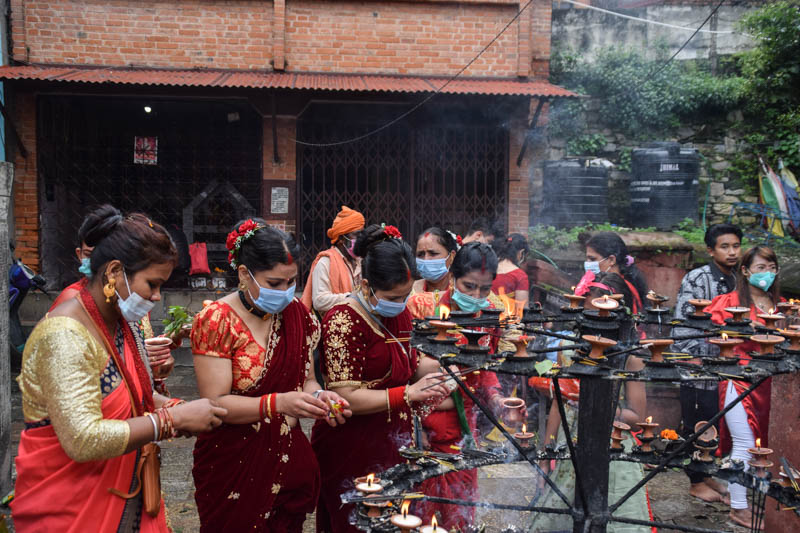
(369, 237)
(99, 224)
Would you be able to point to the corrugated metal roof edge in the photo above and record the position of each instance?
(225, 75)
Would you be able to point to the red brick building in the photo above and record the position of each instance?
(201, 112)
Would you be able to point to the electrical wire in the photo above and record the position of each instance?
(427, 98)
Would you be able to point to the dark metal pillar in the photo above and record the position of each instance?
(592, 461)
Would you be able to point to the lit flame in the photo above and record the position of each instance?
(758, 442)
(444, 312)
(771, 310)
(605, 297)
(649, 419)
(572, 289)
(434, 524)
(724, 336)
(404, 508)
(370, 479)
(524, 428)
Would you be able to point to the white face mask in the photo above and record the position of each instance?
(134, 307)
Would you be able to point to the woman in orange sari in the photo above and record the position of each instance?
(757, 287)
(368, 361)
(454, 421)
(87, 396)
(253, 353)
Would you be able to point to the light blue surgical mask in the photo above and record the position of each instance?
(388, 309)
(134, 307)
(469, 303)
(593, 266)
(762, 280)
(272, 300)
(86, 267)
(432, 269)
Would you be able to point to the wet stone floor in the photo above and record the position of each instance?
(512, 483)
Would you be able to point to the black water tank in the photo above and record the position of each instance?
(664, 184)
(573, 194)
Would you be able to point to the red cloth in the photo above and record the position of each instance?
(55, 493)
(198, 253)
(355, 349)
(261, 476)
(757, 404)
(70, 291)
(444, 432)
(516, 280)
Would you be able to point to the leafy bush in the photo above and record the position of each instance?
(637, 95)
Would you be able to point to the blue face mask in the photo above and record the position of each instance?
(762, 280)
(272, 300)
(388, 309)
(592, 266)
(469, 303)
(86, 267)
(432, 269)
(134, 307)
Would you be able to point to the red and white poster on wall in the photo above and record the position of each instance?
(145, 150)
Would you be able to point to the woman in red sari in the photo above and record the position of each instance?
(368, 361)
(85, 386)
(511, 279)
(254, 355)
(757, 287)
(453, 423)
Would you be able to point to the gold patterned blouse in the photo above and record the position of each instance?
(65, 375)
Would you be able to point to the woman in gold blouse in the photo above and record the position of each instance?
(87, 395)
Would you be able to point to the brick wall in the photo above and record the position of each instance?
(26, 205)
(517, 181)
(424, 38)
(187, 33)
(399, 38)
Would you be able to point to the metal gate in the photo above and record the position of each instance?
(410, 175)
(86, 158)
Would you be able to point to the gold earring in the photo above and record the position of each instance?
(242, 286)
(109, 289)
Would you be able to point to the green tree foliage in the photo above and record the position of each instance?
(771, 71)
(636, 95)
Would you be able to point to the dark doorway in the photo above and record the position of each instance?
(86, 157)
(414, 174)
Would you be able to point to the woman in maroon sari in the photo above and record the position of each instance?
(368, 361)
(254, 355)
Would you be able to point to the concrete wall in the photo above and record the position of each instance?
(587, 31)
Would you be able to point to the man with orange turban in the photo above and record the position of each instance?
(337, 270)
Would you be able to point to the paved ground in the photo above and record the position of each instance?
(507, 483)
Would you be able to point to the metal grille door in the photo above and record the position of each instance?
(411, 176)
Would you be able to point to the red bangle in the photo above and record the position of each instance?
(273, 401)
(262, 407)
(397, 398)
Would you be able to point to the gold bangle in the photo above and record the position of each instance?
(406, 398)
(388, 407)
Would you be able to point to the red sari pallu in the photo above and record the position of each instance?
(757, 403)
(259, 476)
(358, 353)
(57, 493)
(444, 430)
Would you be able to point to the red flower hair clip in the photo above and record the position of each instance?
(235, 239)
(392, 232)
(459, 240)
